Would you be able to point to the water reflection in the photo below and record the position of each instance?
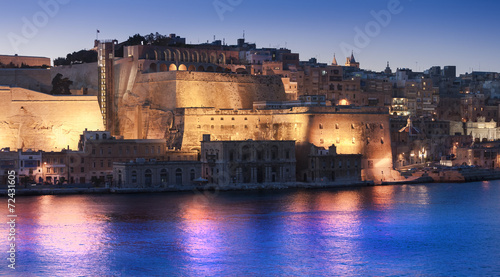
(61, 232)
(385, 230)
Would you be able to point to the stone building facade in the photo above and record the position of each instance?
(160, 174)
(325, 165)
(249, 161)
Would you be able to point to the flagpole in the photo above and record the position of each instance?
(97, 34)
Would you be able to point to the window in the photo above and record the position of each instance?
(321, 126)
(109, 163)
(71, 170)
(61, 170)
(93, 151)
(164, 176)
(274, 152)
(134, 177)
(336, 126)
(192, 174)
(178, 176)
(102, 163)
(148, 178)
(82, 169)
(101, 151)
(109, 149)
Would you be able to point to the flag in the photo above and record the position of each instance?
(98, 31)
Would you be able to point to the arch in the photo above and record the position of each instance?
(192, 68)
(201, 68)
(156, 55)
(164, 176)
(182, 67)
(246, 154)
(204, 57)
(177, 55)
(192, 175)
(241, 71)
(104, 136)
(219, 69)
(97, 136)
(168, 55)
(152, 67)
(210, 68)
(274, 152)
(227, 70)
(195, 57)
(185, 56)
(213, 58)
(178, 176)
(148, 178)
(222, 58)
(163, 67)
(172, 67)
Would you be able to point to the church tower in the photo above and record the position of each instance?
(388, 70)
(351, 61)
(334, 62)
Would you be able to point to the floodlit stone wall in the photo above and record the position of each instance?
(39, 121)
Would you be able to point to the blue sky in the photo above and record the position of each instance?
(418, 35)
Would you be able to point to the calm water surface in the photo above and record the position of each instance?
(429, 230)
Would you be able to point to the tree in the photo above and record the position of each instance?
(60, 85)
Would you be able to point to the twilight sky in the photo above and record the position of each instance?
(408, 33)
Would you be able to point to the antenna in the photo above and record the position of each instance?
(243, 34)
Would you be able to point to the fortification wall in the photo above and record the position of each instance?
(35, 120)
(34, 79)
(146, 98)
(357, 131)
(84, 76)
(27, 60)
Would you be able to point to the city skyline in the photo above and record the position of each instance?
(405, 33)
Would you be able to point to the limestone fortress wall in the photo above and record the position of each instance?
(84, 77)
(353, 130)
(39, 121)
(181, 106)
(145, 102)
